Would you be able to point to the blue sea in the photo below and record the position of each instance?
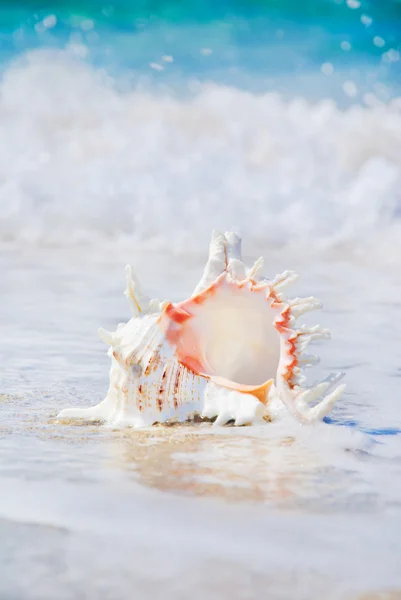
(128, 131)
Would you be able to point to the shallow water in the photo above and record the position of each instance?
(225, 512)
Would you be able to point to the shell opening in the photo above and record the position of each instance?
(230, 333)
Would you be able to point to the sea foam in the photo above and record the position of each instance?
(87, 159)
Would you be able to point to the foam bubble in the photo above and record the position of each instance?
(379, 41)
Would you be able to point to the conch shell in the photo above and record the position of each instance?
(223, 353)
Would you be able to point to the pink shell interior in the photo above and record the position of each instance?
(229, 333)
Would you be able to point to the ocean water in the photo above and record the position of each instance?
(127, 133)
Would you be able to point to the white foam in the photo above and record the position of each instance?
(82, 161)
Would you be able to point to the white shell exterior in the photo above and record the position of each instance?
(149, 383)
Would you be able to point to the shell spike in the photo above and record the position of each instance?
(306, 335)
(297, 399)
(281, 281)
(108, 337)
(232, 405)
(155, 306)
(216, 263)
(325, 406)
(300, 306)
(235, 264)
(314, 392)
(325, 391)
(138, 300)
(255, 272)
(222, 419)
(308, 360)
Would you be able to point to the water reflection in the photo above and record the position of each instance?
(258, 464)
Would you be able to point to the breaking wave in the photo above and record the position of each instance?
(86, 159)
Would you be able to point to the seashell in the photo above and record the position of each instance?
(225, 353)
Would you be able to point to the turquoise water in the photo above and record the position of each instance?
(251, 44)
